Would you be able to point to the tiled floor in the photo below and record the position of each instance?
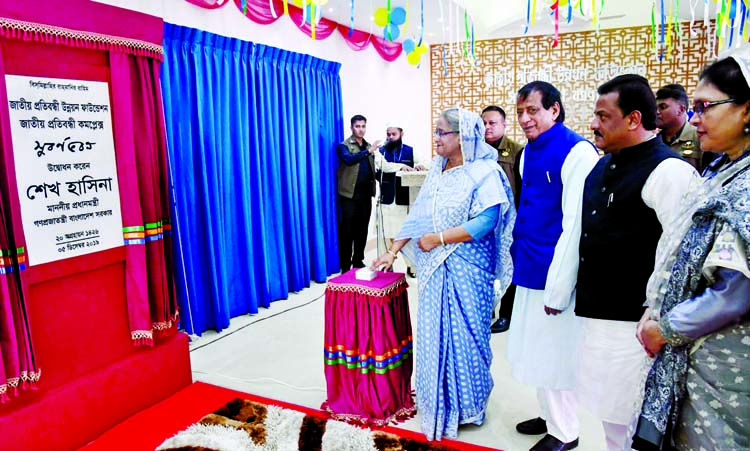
(278, 354)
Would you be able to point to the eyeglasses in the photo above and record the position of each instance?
(441, 133)
(700, 107)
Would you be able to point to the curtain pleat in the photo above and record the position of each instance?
(251, 132)
(18, 366)
(144, 195)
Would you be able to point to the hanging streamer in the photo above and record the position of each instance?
(528, 17)
(286, 7)
(466, 34)
(351, 18)
(244, 7)
(388, 28)
(663, 33)
(273, 11)
(732, 16)
(720, 23)
(593, 14)
(556, 11)
(473, 46)
(313, 13)
(445, 68)
(669, 30)
(653, 25)
(421, 22)
(570, 10)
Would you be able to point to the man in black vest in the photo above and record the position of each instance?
(394, 198)
(632, 193)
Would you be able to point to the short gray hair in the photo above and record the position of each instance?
(451, 116)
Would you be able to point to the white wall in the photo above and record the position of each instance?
(383, 92)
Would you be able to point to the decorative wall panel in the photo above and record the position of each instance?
(581, 63)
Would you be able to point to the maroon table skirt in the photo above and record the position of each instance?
(368, 349)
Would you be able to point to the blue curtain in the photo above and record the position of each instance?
(251, 132)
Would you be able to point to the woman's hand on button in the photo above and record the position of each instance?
(383, 263)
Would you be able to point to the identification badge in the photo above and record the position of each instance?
(687, 148)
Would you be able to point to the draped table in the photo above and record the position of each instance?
(368, 349)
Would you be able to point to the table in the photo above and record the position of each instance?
(368, 349)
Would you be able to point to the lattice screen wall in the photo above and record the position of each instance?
(577, 67)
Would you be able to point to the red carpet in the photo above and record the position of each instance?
(188, 406)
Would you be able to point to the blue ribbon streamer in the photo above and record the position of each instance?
(663, 32)
(732, 17)
(351, 18)
(473, 56)
(528, 16)
(421, 27)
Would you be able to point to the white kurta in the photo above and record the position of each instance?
(611, 359)
(542, 348)
(391, 218)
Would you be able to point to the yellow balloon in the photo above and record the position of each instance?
(381, 17)
(297, 3)
(413, 58)
(422, 49)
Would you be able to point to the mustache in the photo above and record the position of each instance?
(596, 133)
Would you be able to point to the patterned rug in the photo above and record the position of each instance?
(243, 425)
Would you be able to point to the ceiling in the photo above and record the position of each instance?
(443, 19)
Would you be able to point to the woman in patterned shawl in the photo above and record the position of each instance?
(697, 392)
(459, 235)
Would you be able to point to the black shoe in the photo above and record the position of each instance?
(550, 443)
(410, 272)
(501, 325)
(534, 426)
